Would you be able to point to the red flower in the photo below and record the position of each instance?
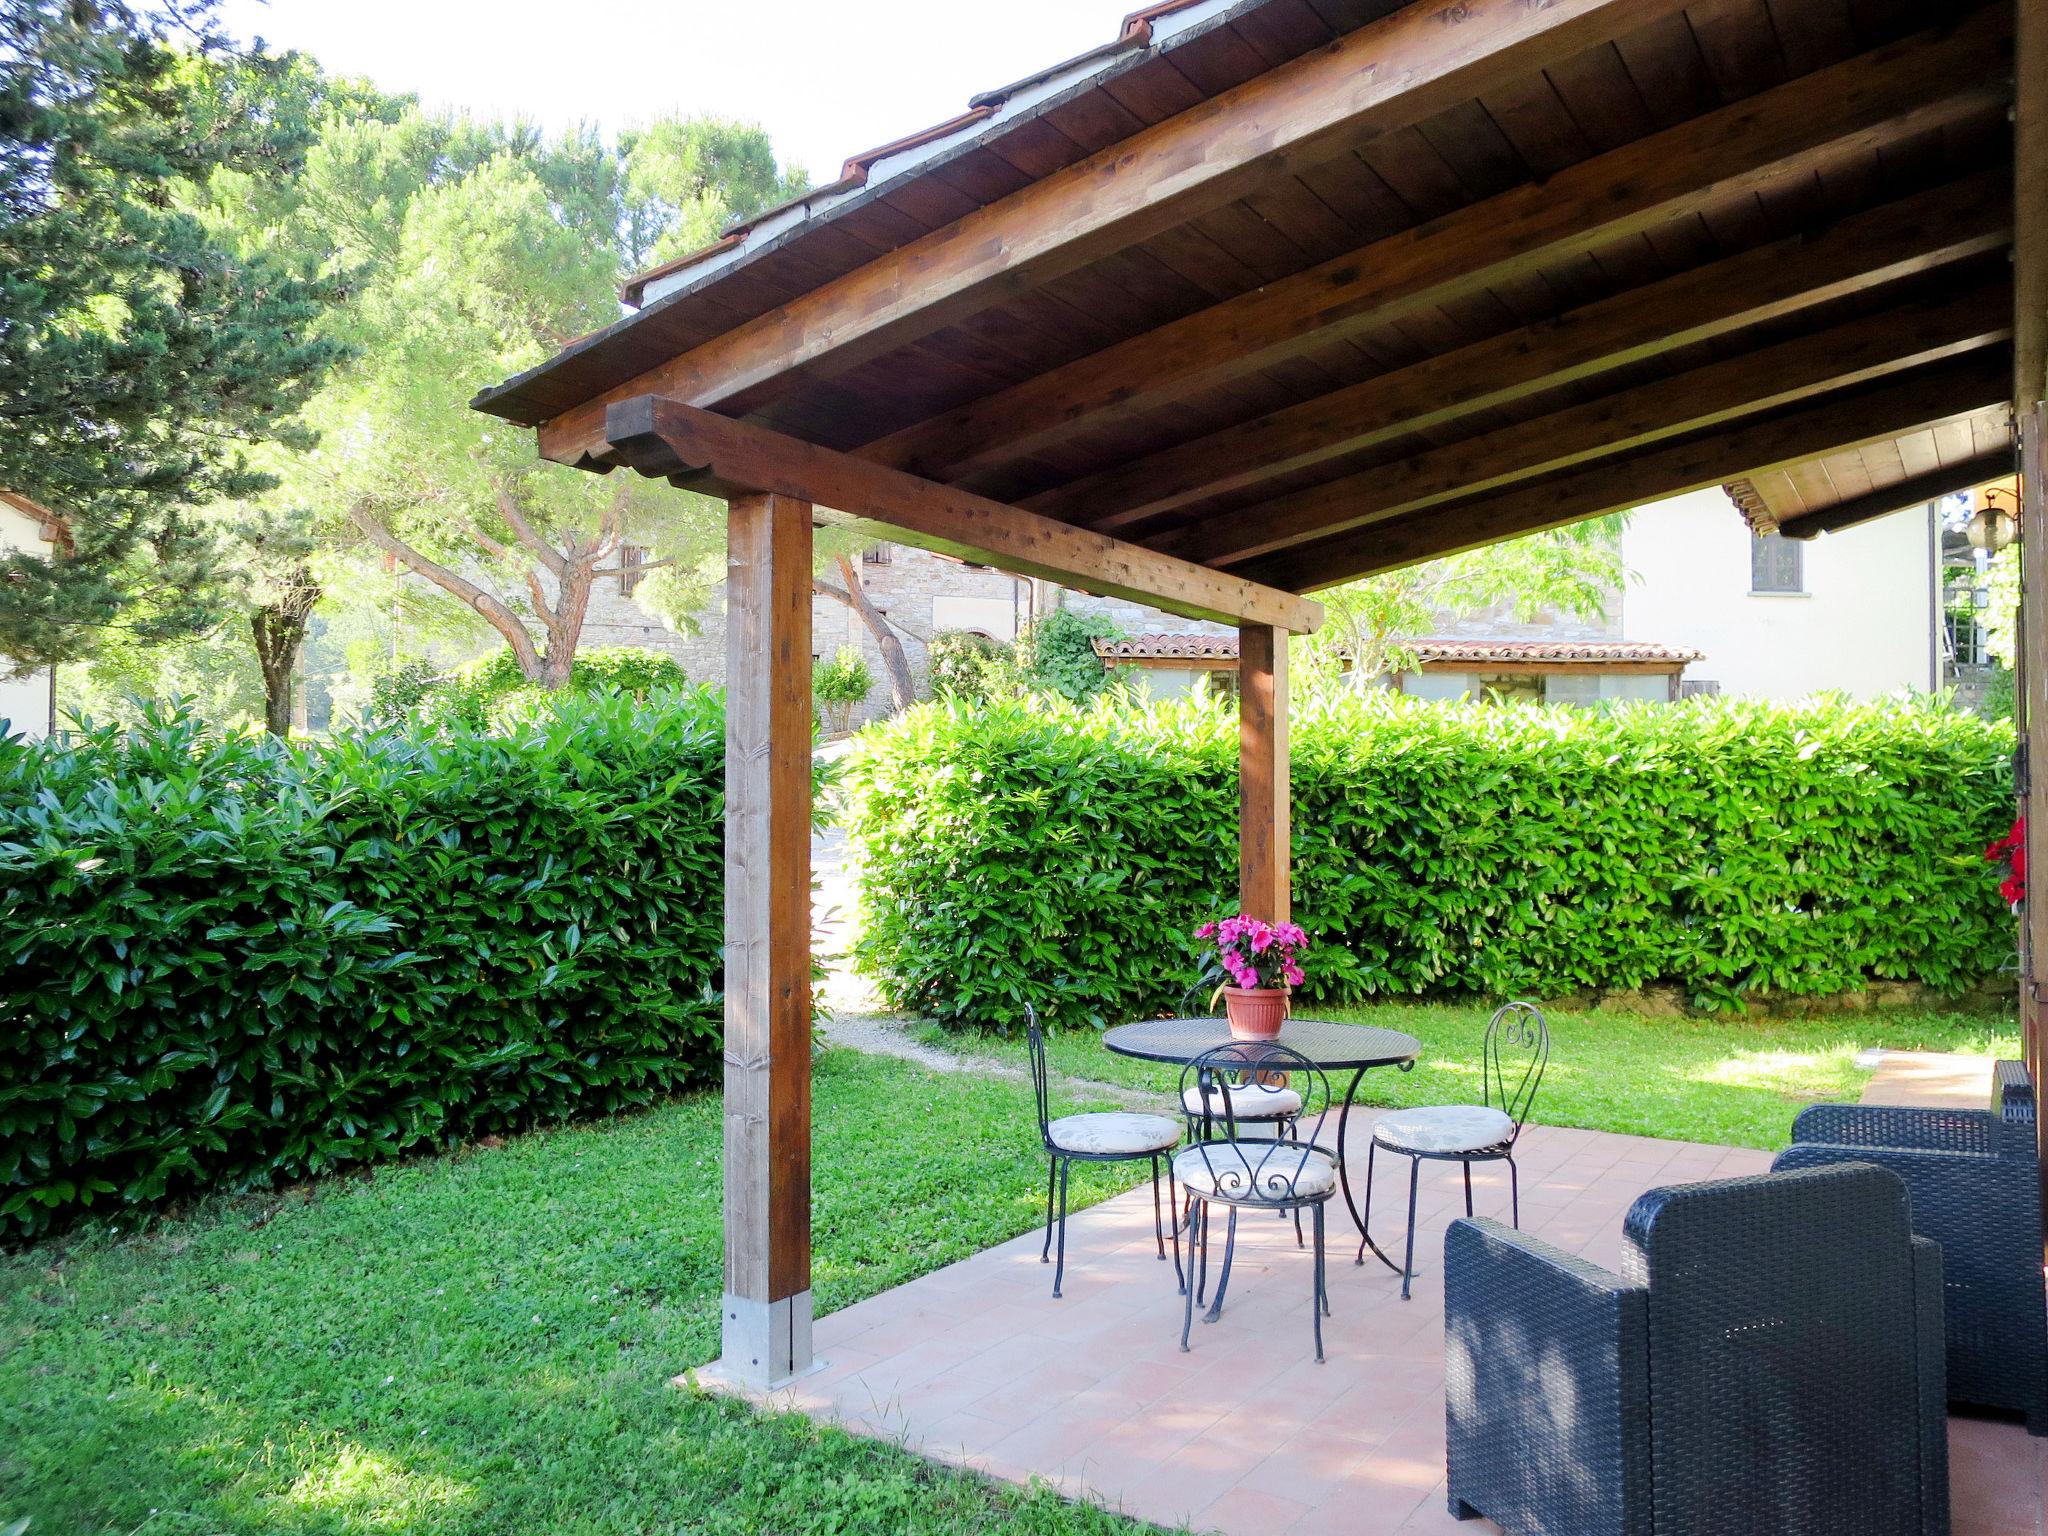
(2011, 851)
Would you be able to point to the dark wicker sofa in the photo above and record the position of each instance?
(1771, 1362)
(1975, 1185)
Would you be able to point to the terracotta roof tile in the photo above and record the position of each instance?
(1574, 651)
(1168, 647)
(1429, 652)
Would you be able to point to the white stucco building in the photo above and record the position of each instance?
(1709, 608)
(1857, 612)
(27, 699)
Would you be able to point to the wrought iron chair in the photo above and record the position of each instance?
(1516, 1050)
(1770, 1359)
(1263, 1173)
(1115, 1136)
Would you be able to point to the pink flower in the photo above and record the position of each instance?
(1206, 931)
(1292, 972)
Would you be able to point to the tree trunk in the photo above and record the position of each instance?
(902, 689)
(564, 620)
(279, 630)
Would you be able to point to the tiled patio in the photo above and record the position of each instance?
(977, 1365)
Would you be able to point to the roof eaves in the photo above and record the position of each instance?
(1754, 509)
(988, 112)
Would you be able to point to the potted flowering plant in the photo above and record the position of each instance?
(1261, 961)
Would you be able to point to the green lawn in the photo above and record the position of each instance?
(1732, 1079)
(481, 1344)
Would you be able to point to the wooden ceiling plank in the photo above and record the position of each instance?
(723, 457)
(1896, 497)
(1889, 409)
(1953, 443)
(1388, 75)
(1651, 182)
(1916, 454)
(1890, 341)
(1880, 246)
(1850, 476)
(1809, 483)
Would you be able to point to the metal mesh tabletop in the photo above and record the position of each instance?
(1328, 1044)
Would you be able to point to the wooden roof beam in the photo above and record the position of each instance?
(1891, 94)
(1949, 223)
(712, 453)
(1853, 352)
(1392, 74)
(1888, 499)
(2030, 177)
(1890, 408)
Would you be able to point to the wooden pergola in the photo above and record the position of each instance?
(1267, 295)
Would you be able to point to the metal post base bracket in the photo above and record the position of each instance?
(765, 1343)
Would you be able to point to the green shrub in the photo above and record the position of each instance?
(1729, 847)
(1057, 653)
(971, 667)
(229, 962)
(397, 693)
(840, 684)
(491, 688)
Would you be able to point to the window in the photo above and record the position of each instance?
(1775, 564)
(881, 554)
(631, 558)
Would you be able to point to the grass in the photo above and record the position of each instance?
(481, 1343)
(1737, 1080)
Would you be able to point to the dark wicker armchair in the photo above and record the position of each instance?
(1975, 1185)
(1772, 1362)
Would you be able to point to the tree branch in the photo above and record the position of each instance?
(491, 607)
(489, 545)
(508, 508)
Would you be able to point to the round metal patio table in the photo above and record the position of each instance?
(1356, 1048)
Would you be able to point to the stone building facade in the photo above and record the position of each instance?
(921, 593)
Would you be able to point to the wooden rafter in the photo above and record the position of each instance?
(1911, 88)
(1399, 71)
(1897, 240)
(1914, 492)
(1889, 408)
(1851, 353)
(728, 458)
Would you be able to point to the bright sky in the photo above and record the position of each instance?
(825, 77)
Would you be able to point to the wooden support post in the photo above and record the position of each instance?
(1265, 824)
(2032, 660)
(2030, 421)
(767, 1319)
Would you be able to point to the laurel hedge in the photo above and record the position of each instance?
(1022, 850)
(225, 962)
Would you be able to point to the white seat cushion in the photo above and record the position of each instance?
(1254, 1101)
(1444, 1128)
(1256, 1170)
(1113, 1132)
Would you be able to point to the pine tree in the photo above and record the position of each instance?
(142, 354)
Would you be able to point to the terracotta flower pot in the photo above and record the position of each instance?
(1256, 1013)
